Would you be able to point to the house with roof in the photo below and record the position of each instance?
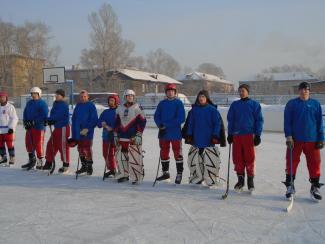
(195, 81)
(277, 83)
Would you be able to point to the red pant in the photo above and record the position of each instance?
(312, 157)
(109, 155)
(243, 154)
(165, 148)
(34, 141)
(59, 139)
(84, 149)
(7, 140)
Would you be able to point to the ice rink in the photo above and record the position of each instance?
(36, 208)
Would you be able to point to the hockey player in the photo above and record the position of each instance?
(8, 123)
(107, 122)
(59, 117)
(35, 115)
(245, 125)
(129, 125)
(304, 132)
(203, 133)
(169, 116)
(84, 120)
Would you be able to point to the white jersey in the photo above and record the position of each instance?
(8, 118)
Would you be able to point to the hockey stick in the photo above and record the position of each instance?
(78, 166)
(106, 159)
(288, 209)
(224, 196)
(154, 183)
(53, 163)
(33, 148)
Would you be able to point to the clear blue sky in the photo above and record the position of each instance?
(242, 36)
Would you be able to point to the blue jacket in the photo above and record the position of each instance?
(84, 117)
(108, 116)
(37, 111)
(170, 114)
(60, 114)
(203, 124)
(245, 117)
(303, 120)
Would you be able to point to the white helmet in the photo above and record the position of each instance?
(36, 90)
(128, 92)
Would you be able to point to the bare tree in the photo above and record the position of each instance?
(108, 49)
(210, 68)
(161, 62)
(137, 62)
(288, 68)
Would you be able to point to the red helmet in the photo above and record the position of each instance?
(170, 86)
(4, 94)
(115, 97)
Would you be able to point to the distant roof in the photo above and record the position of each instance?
(202, 76)
(284, 76)
(147, 76)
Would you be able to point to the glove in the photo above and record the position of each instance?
(28, 124)
(116, 139)
(72, 142)
(137, 140)
(10, 131)
(189, 140)
(319, 144)
(84, 132)
(257, 140)
(162, 131)
(230, 139)
(289, 142)
(105, 126)
(214, 140)
(50, 122)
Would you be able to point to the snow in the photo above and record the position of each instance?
(202, 76)
(282, 76)
(36, 208)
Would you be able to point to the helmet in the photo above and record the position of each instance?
(4, 94)
(170, 86)
(128, 92)
(36, 90)
(116, 98)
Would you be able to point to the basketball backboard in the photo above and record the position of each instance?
(53, 75)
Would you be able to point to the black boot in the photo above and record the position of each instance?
(3, 159)
(89, 167)
(110, 174)
(64, 168)
(314, 190)
(250, 183)
(47, 165)
(290, 186)
(179, 168)
(165, 169)
(12, 160)
(39, 163)
(240, 184)
(83, 168)
(123, 179)
(31, 162)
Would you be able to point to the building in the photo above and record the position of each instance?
(196, 81)
(277, 83)
(18, 73)
(118, 80)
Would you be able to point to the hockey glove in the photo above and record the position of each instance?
(28, 124)
(214, 140)
(162, 131)
(137, 140)
(10, 131)
(50, 122)
(230, 139)
(289, 142)
(257, 140)
(319, 145)
(72, 142)
(84, 132)
(189, 140)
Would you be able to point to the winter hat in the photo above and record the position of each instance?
(116, 98)
(304, 85)
(203, 93)
(60, 92)
(4, 94)
(245, 86)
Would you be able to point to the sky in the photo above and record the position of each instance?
(241, 36)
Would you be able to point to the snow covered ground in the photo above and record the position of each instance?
(36, 208)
